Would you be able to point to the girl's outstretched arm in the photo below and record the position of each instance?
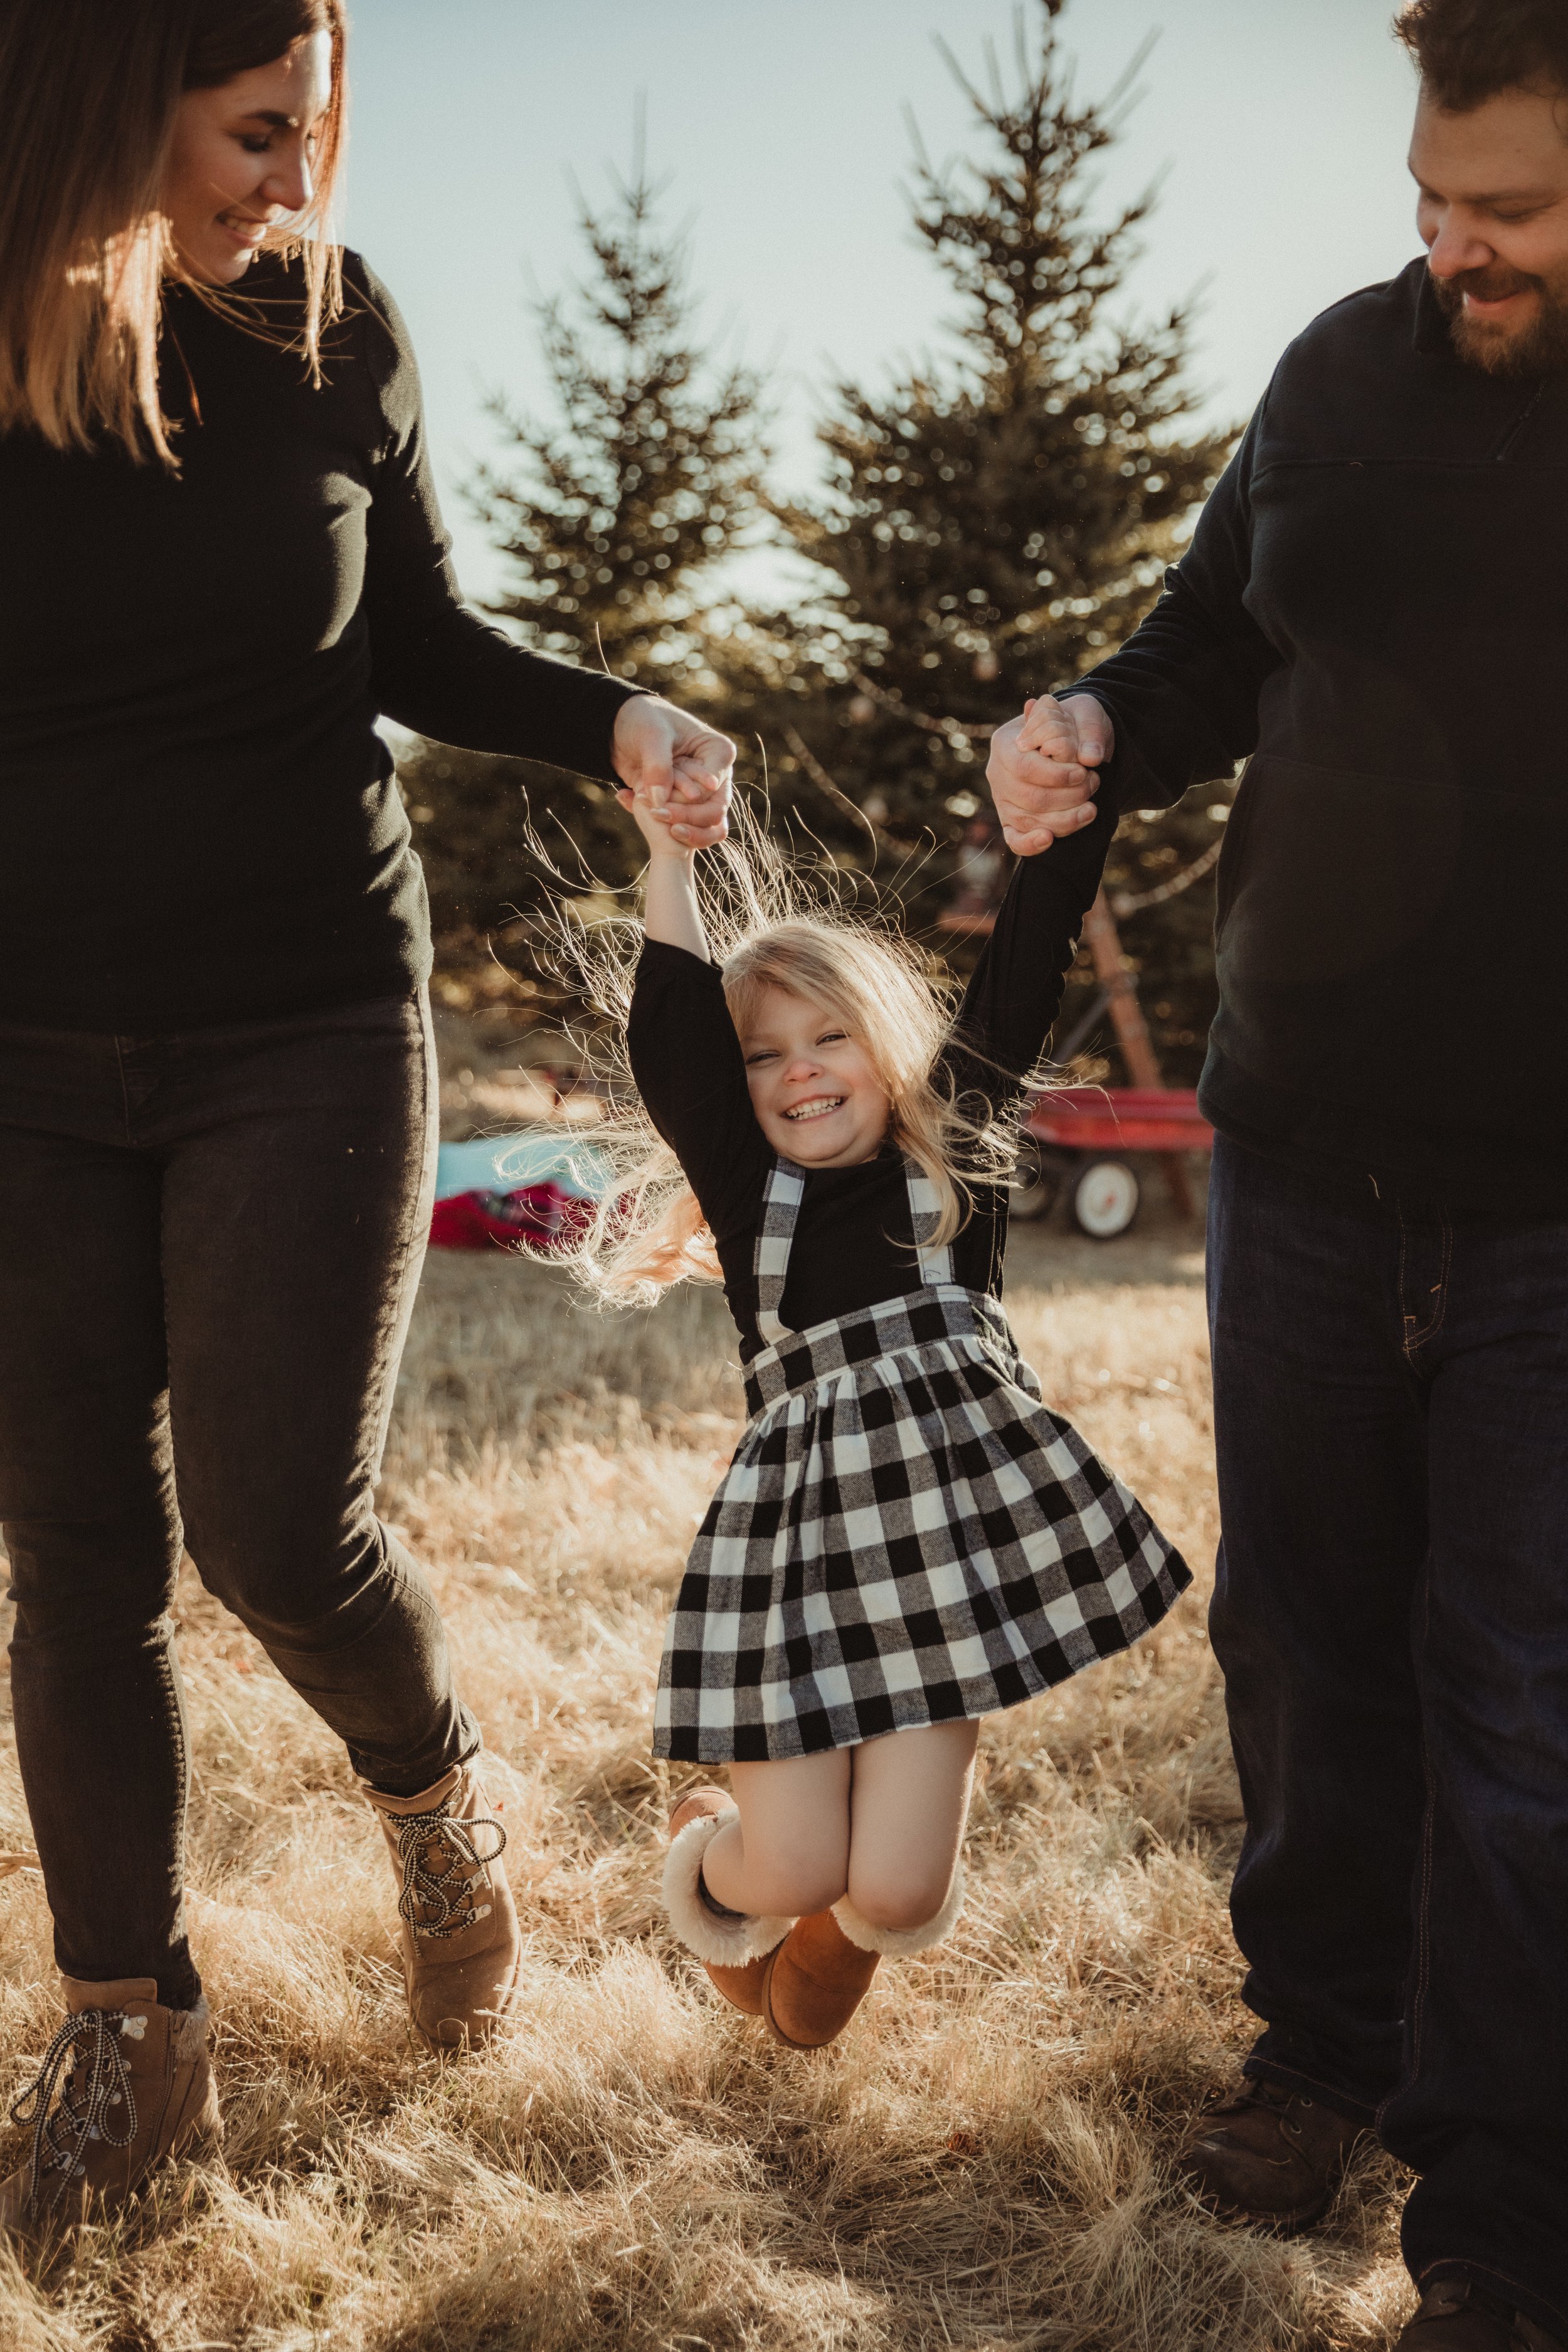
(1015, 990)
(684, 1052)
(671, 914)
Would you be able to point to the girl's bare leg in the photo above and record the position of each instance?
(908, 1803)
(789, 1853)
(882, 1823)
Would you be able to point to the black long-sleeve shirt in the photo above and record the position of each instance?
(1374, 607)
(198, 821)
(854, 1243)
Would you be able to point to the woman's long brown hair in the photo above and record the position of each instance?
(89, 94)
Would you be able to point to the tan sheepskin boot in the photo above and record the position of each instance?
(734, 1947)
(124, 2083)
(815, 1982)
(462, 1946)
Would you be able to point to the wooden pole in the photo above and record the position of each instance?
(1115, 977)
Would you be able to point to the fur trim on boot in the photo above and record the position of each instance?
(715, 1941)
(902, 1943)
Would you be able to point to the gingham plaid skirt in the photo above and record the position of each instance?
(906, 1534)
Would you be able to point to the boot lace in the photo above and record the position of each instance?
(83, 2076)
(428, 1891)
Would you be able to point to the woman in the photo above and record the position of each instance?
(220, 559)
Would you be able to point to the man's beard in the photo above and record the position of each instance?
(1539, 349)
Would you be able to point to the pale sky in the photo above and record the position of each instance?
(1278, 127)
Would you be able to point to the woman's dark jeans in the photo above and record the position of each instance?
(1391, 1387)
(209, 1244)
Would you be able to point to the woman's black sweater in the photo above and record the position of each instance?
(854, 1243)
(198, 820)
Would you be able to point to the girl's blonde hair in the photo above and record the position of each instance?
(89, 94)
(649, 1231)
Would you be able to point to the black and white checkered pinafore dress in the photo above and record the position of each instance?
(906, 1534)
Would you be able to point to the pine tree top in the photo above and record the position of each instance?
(612, 511)
(996, 519)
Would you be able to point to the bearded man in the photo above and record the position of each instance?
(1375, 608)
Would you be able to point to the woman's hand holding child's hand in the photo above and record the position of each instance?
(666, 823)
(676, 775)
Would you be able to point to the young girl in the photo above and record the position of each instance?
(906, 1539)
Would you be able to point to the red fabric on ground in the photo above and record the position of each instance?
(538, 1217)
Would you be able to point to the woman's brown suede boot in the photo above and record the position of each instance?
(124, 2083)
(462, 1946)
(732, 1946)
(815, 1982)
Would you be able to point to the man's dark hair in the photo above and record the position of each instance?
(1469, 50)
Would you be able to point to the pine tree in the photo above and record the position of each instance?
(992, 526)
(612, 514)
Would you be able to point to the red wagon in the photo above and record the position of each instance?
(1077, 1140)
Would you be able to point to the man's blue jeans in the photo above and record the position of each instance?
(1391, 1616)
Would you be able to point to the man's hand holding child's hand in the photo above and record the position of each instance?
(1041, 769)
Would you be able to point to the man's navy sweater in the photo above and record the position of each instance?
(1375, 608)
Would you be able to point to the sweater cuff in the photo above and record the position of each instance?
(595, 705)
(659, 954)
(1127, 779)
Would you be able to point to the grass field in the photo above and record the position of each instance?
(983, 2161)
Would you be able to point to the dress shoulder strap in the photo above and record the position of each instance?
(782, 1198)
(936, 1265)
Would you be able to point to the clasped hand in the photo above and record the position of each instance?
(676, 774)
(1042, 769)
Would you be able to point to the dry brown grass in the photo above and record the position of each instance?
(981, 2164)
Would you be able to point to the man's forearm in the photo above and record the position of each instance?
(1181, 700)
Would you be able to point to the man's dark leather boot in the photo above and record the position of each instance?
(1457, 2315)
(1273, 2155)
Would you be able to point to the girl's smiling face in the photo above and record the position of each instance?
(818, 1098)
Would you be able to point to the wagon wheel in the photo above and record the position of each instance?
(1105, 1199)
(1038, 1180)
